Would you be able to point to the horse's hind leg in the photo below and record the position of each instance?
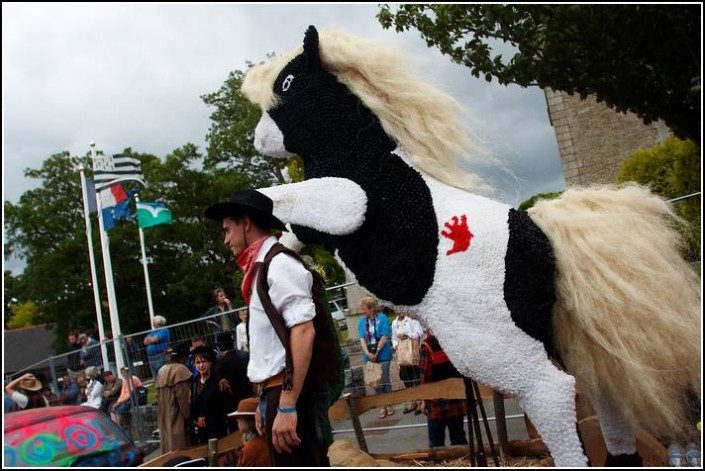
(549, 401)
(618, 434)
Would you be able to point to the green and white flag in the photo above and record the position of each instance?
(152, 214)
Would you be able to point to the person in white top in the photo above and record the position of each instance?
(241, 331)
(407, 328)
(94, 388)
(247, 223)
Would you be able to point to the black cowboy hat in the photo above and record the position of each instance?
(246, 202)
(224, 340)
(180, 349)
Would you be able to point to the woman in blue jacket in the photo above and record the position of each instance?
(376, 339)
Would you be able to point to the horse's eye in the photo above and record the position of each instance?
(287, 82)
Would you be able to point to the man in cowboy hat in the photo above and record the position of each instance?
(173, 386)
(248, 225)
(254, 451)
(29, 395)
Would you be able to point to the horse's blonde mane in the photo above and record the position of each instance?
(421, 118)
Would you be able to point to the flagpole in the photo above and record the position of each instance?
(108, 268)
(146, 271)
(94, 277)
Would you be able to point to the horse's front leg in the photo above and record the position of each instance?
(491, 349)
(335, 206)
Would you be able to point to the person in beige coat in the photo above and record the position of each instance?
(173, 385)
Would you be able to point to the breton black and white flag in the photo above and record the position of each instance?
(111, 170)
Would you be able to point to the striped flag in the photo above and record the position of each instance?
(152, 214)
(111, 170)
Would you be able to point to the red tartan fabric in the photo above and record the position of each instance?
(438, 408)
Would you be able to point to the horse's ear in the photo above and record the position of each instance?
(313, 58)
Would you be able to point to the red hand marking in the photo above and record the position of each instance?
(459, 233)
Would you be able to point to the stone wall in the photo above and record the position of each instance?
(594, 140)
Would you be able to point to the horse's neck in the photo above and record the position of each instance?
(358, 163)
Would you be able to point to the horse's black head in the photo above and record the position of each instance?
(314, 110)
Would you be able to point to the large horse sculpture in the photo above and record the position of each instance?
(593, 279)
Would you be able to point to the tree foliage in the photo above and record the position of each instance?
(671, 169)
(539, 196)
(639, 58)
(47, 230)
(9, 287)
(23, 315)
(231, 136)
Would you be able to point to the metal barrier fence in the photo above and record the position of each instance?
(55, 374)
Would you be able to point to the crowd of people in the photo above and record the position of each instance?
(253, 380)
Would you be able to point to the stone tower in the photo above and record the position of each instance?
(594, 140)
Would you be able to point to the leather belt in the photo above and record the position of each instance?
(274, 381)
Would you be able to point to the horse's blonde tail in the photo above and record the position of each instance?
(627, 316)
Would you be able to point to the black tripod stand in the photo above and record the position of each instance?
(472, 394)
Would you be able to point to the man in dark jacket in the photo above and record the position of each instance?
(233, 366)
(74, 357)
(111, 390)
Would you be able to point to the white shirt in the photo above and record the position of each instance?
(407, 326)
(94, 394)
(22, 400)
(290, 290)
(241, 334)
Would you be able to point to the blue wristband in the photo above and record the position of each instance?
(286, 409)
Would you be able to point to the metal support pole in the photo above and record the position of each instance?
(355, 419)
(212, 452)
(481, 405)
(470, 399)
(54, 381)
(475, 422)
(501, 418)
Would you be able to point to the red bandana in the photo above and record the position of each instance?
(246, 261)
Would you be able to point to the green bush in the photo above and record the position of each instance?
(671, 169)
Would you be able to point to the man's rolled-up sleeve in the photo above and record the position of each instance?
(290, 290)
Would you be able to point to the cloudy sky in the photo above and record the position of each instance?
(132, 76)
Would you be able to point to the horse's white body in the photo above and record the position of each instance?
(465, 305)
